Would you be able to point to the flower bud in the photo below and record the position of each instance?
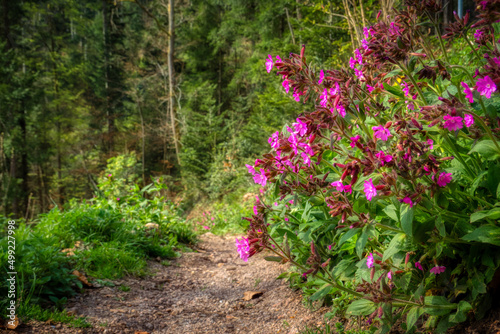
(372, 273)
(388, 124)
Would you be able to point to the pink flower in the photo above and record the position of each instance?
(206, 227)
(109, 175)
(321, 77)
(443, 179)
(438, 270)
(286, 219)
(389, 275)
(478, 35)
(347, 189)
(358, 73)
(410, 105)
(369, 260)
(243, 248)
(406, 88)
(330, 247)
(251, 170)
(338, 185)
(118, 198)
(383, 158)
(468, 92)
(408, 201)
(468, 120)
(306, 158)
(352, 63)
(370, 88)
(269, 63)
(255, 211)
(324, 98)
(486, 87)
(354, 140)
(341, 110)
(370, 190)
(358, 56)
(274, 140)
(452, 123)
(300, 127)
(430, 142)
(419, 266)
(286, 85)
(381, 132)
(260, 178)
(366, 32)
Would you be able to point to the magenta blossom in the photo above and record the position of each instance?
(352, 63)
(354, 140)
(381, 132)
(206, 227)
(430, 142)
(468, 92)
(321, 77)
(260, 178)
(243, 248)
(269, 63)
(389, 275)
(419, 266)
(369, 260)
(251, 170)
(406, 88)
(324, 98)
(109, 175)
(300, 127)
(443, 179)
(408, 201)
(274, 141)
(341, 110)
(359, 74)
(330, 247)
(468, 120)
(486, 87)
(118, 198)
(286, 85)
(452, 123)
(370, 88)
(438, 270)
(383, 158)
(370, 190)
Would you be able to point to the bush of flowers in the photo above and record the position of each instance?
(387, 188)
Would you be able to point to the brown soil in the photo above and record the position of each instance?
(203, 292)
(200, 292)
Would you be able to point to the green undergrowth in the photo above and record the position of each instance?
(107, 237)
(224, 216)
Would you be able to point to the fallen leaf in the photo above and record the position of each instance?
(249, 295)
(12, 324)
(81, 277)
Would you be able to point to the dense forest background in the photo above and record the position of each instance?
(84, 81)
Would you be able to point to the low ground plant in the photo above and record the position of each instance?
(107, 237)
(386, 188)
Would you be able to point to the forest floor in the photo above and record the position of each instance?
(208, 291)
(200, 292)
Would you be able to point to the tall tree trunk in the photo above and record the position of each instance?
(109, 113)
(171, 74)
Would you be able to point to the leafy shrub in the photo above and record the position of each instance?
(108, 236)
(391, 182)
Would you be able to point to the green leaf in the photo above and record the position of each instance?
(348, 235)
(392, 212)
(361, 307)
(413, 315)
(463, 308)
(325, 289)
(273, 258)
(440, 226)
(489, 234)
(394, 91)
(486, 149)
(437, 301)
(491, 214)
(361, 243)
(395, 246)
(407, 219)
(290, 234)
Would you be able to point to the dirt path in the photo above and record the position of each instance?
(198, 293)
